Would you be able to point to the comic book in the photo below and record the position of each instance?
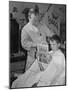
(42, 51)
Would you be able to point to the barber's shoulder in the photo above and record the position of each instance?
(25, 27)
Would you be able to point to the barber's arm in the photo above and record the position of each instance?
(26, 41)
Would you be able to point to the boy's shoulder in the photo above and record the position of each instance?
(58, 53)
(59, 57)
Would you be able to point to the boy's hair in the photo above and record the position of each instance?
(56, 38)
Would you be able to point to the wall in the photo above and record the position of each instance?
(58, 10)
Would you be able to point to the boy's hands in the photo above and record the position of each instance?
(41, 67)
(45, 58)
(49, 58)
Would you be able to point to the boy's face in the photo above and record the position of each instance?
(54, 45)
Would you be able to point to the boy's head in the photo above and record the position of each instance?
(55, 42)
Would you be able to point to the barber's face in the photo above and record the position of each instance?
(31, 16)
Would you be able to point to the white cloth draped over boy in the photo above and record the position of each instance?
(53, 74)
(29, 38)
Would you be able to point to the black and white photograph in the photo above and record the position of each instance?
(37, 44)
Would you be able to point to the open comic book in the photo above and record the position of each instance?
(42, 50)
(42, 53)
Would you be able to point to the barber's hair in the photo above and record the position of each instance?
(56, 38)
(34, 10)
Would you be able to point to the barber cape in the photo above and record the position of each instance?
(54, 74)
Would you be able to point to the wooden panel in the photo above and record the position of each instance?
(17, 66)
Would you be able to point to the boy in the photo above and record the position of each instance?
(55, 72)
